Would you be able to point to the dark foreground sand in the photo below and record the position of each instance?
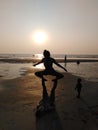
(19, 98)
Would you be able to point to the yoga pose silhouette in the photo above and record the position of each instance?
(49, 70)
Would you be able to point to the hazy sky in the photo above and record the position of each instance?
(71, 26)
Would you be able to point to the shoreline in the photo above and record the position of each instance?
(19, 98)
(14, 70)
(33, 60)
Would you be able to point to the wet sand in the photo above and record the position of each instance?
(19, 98)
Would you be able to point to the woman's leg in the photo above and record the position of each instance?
(58, 75)
(40, 75)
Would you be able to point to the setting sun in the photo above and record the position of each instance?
(39, 37)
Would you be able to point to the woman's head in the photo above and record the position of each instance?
(46, 53)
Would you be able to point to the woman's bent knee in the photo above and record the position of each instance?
(38, 74)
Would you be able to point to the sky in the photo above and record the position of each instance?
(71, 26)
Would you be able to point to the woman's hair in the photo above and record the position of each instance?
(46, 53)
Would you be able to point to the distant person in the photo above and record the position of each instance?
(49, 70)
(78, 87)
(78, 62)
(65, 58)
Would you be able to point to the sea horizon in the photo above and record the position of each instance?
(57, 55)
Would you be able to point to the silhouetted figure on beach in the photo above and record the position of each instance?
(78, 87)
(78, 62)
(65, 58)
(49, 70)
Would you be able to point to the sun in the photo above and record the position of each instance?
(39, 37)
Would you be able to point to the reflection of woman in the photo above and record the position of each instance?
(49, 70)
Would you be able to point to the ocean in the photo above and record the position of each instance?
(86, 70)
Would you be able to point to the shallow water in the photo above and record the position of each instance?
(10, 71)
(87, 70)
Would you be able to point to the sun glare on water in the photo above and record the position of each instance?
(39, 37)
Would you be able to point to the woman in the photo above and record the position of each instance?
(49, 70)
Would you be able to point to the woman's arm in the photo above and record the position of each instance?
(38, 63)
(55, 62)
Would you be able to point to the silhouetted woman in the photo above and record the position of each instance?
(49, 70)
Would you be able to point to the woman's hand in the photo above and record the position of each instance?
(65, 69)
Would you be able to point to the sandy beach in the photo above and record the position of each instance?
(20, 96)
